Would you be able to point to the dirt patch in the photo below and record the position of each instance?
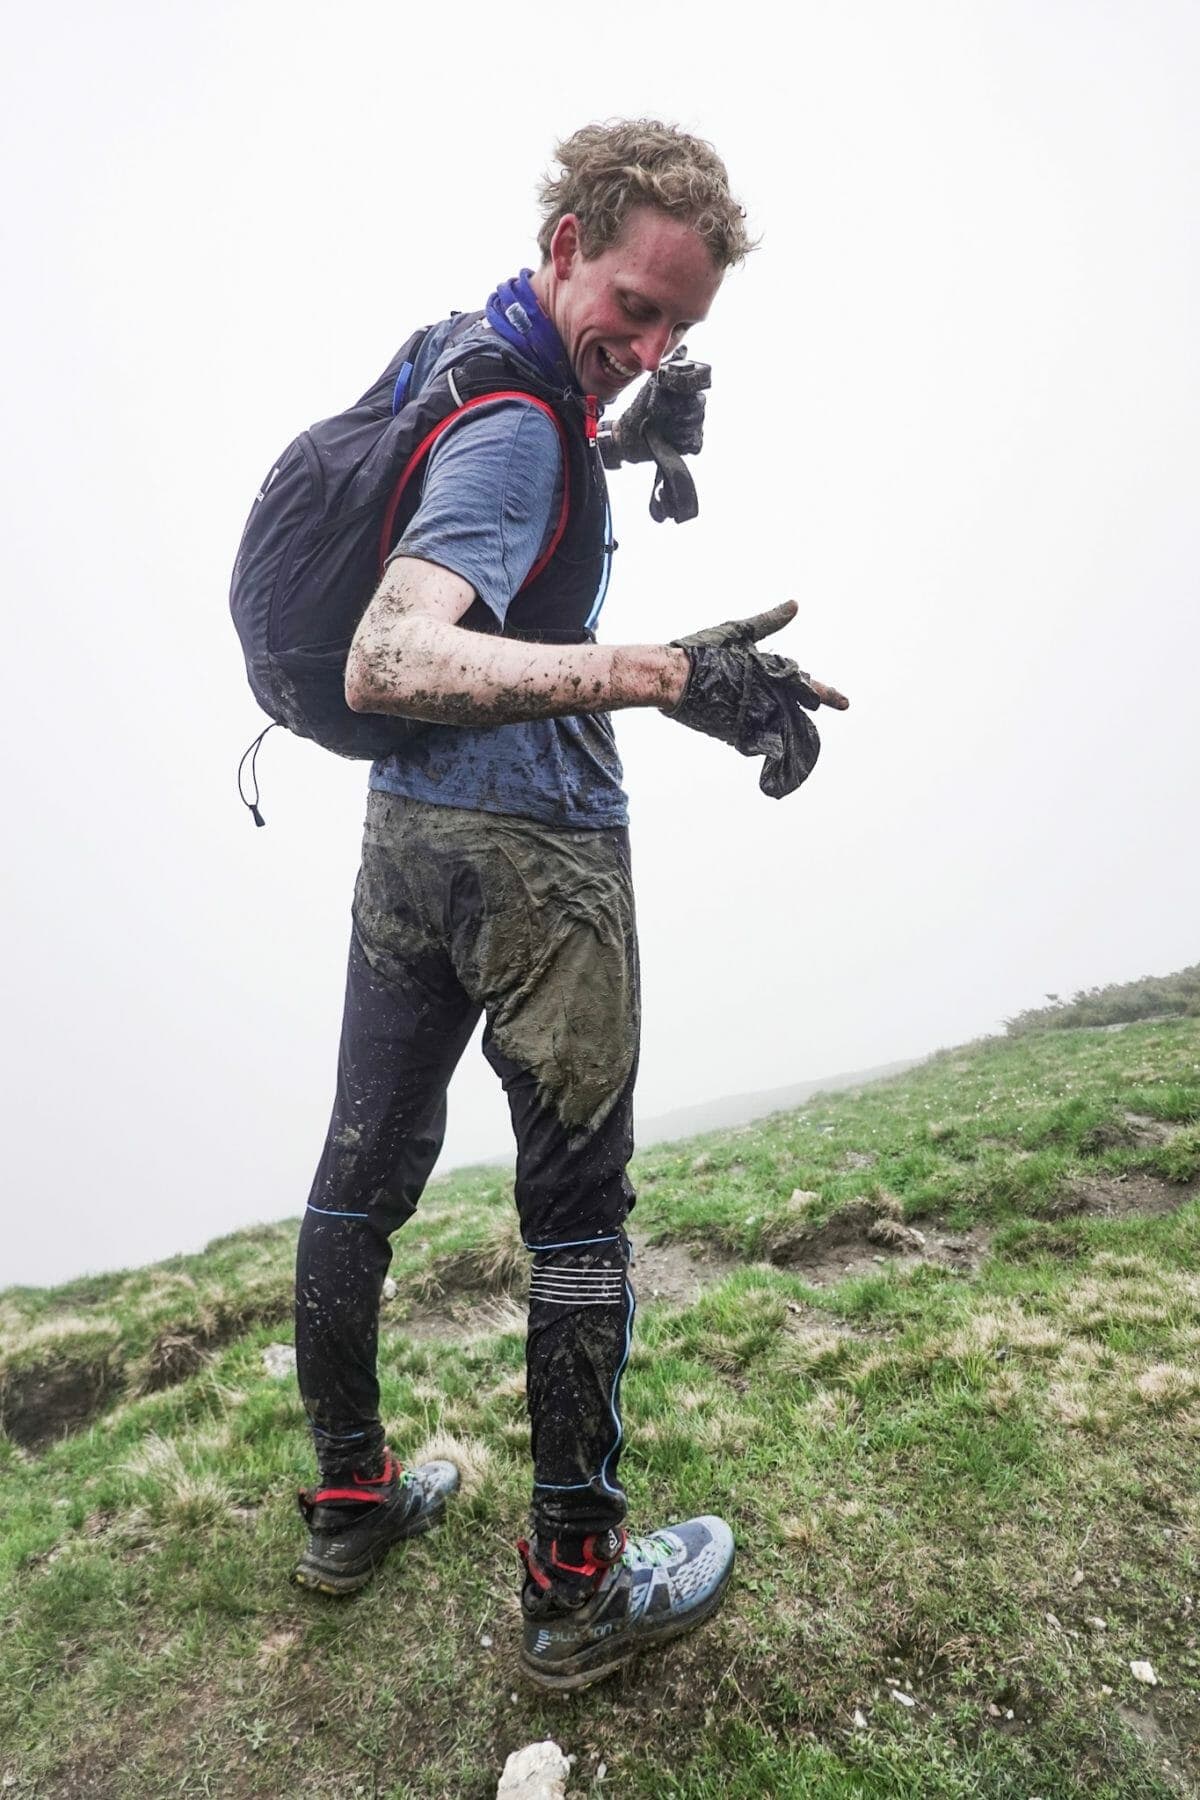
(173, 1356)
(963, 1251)
(1173, 1759)
(44, 1403)
(1117, 1196)
(855, 1239)
(1144, 1130)
(180, 1349)
(53, 1399)
(459, 1320)
(676, 1275)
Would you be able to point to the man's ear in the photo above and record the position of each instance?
(564, 246)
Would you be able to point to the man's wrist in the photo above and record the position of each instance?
(649, 675)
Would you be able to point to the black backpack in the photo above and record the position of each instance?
(321, 528)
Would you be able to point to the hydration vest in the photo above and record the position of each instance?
(335, 505)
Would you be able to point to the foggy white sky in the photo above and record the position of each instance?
(954, 414)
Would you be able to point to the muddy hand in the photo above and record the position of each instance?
(751, 698)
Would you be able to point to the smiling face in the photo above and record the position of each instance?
(619, 313)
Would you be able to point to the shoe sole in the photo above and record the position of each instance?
(580, 1672)
(319, 1578)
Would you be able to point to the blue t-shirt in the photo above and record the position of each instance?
(488, 507)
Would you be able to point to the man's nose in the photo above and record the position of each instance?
(651, 346)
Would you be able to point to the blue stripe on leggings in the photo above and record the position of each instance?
(575, 1243)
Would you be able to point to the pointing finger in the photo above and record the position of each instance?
(763, 624)
(827, 696)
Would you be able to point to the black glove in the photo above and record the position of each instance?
(679, 418)
(753, 699)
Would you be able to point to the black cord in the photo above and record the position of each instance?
(252, 752)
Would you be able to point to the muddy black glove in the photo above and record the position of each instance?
(679, 418)
(752, 699)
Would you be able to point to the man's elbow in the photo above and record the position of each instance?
(362, 687)
(378, 681)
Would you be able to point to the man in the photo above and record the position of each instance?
(495, 879)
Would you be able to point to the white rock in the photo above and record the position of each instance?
(538, 1772)
(1097, 1624)
(860, 1724)
(904, 1699)
(390, 1290)
(279, 1359)
(1141, 1671)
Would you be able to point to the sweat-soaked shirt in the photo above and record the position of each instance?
(488, 506)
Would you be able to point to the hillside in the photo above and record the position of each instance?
(931, 1346)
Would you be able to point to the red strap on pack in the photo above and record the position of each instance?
(423, 448)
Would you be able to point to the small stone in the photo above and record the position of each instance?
(390, 1290)
(486, 1641)
(1076, 1578)
(700, 1163)
(279, 1359)
(860, 1724)
(1105, 1689)
(1097, 1624)
(1051, 1620)
(601, 1771)
(904, 1699)
(994, 1710)
(1008, 1712)
(1141, 1671)
(538, 1772)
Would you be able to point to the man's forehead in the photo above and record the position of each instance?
(658, 254)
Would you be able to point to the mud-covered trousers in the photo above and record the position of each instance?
(458, 913)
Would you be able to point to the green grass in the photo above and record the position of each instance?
(972, 1484)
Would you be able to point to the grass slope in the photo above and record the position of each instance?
(945, 1387)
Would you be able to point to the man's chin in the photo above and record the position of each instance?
(601, 381)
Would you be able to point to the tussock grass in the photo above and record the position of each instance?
(1153, 996)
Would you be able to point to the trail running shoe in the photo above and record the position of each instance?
(656, 1588)
(352, 1528)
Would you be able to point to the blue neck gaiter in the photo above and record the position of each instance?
(514, 314)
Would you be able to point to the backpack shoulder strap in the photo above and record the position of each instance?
(431, 437)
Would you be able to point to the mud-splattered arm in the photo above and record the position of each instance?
(411, 657)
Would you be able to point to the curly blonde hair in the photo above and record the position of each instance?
(607, 170)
